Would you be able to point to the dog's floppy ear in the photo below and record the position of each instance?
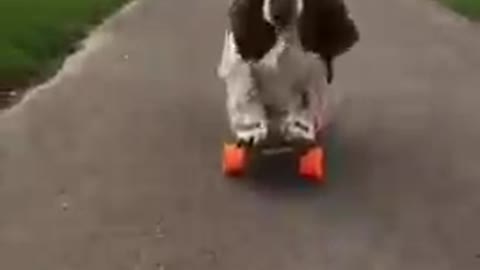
(326, 28)
(253, 35)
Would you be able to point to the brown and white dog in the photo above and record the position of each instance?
(278, 56)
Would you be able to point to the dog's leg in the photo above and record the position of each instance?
(327, 99)
(309, 115)
(300, 122)
(244, 107)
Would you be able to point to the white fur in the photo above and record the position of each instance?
(270, 60)
(299, 7)
(229, 56)
(267, 15)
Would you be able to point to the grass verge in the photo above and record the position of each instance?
(36, 36)
(470, 8)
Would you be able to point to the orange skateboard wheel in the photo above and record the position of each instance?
(234, 160)
(312, 165)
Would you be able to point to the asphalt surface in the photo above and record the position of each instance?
(116, 165)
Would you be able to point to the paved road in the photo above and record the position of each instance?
(116, 164)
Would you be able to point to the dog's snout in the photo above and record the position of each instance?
(282, 12)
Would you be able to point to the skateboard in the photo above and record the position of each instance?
(310, 157)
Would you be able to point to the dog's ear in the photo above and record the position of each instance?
(253, 35)
(326, 28)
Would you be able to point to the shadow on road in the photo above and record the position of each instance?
(346, 167)
(279, 173)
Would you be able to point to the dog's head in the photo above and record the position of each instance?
(282, 13)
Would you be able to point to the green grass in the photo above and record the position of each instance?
(36, 35)
(470, 8)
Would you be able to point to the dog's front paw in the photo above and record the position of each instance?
(252, 134)
(296, 127)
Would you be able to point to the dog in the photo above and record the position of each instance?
(278, 57)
